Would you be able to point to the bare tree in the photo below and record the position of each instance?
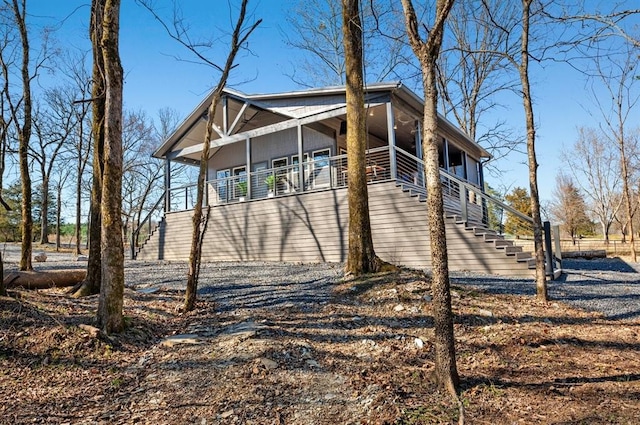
(78, 74)
(20, 108)
(527, 102)
(617, 75)
(594, 164)
(239, 37)
(92, 283)
(59, 179)
(110, 302)
(4, 128)
(361, 257)
(473, 71)
(54, 125)
(142, 174)
(519, 60)
(314, 29)
(427, 52)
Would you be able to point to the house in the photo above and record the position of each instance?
(277, 184)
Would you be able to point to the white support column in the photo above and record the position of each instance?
(464, 165)
(445, 153)
(418, 141)
(301, 164)
(167, 185)
(391, 134)
(247, 144)
(225, 115)
(206, 185)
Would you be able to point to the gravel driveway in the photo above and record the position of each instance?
(610, 286)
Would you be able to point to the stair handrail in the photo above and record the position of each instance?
(147, 218)
(473, 188)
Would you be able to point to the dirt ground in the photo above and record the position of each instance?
(364, 357)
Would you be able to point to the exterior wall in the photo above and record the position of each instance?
(268, 147)
(313, 227)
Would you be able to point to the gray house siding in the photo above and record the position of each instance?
(312, 227)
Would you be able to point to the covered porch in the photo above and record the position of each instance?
(285, 144)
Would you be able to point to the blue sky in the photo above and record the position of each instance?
(155, 79)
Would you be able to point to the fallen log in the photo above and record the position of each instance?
(594, 253)
(44, 279)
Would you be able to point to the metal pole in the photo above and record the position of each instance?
(167, 185)
(547, 249)
(391, 134)
(301, 164)
(463, 204)
(558, 248)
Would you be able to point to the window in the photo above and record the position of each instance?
(239, 182)
(222, 178)
(258, 177)
(295, 171)
(281, 174)
(321, 174)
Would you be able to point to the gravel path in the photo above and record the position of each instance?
(246, 285)
(610, 286)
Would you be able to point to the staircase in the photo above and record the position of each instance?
(516, 260)
(150, 242)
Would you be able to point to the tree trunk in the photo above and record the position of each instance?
(44, 279)
(79, 169)
(110, 303)
(44, 221)
(541, 280)
(446, 372)
(58, 216)
(92, 283)
(361, 257)
(3, 289)
(627, 194)
(24, 135)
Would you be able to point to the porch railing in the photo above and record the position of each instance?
(466, 200)
(318, 174)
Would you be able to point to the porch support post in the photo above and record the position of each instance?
(464, 165)
(300, 160)
(481, 175)
(418, 141)
(206, 186)
(391, 134)
(225, 115)
(445, 153)
(548, 253)
(248, 168)
(167, 185)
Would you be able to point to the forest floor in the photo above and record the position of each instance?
(364, 355)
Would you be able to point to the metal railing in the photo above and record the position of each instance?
(319, 174)
(466, 200)
(147, 226)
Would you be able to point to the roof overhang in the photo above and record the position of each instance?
(187, 139)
